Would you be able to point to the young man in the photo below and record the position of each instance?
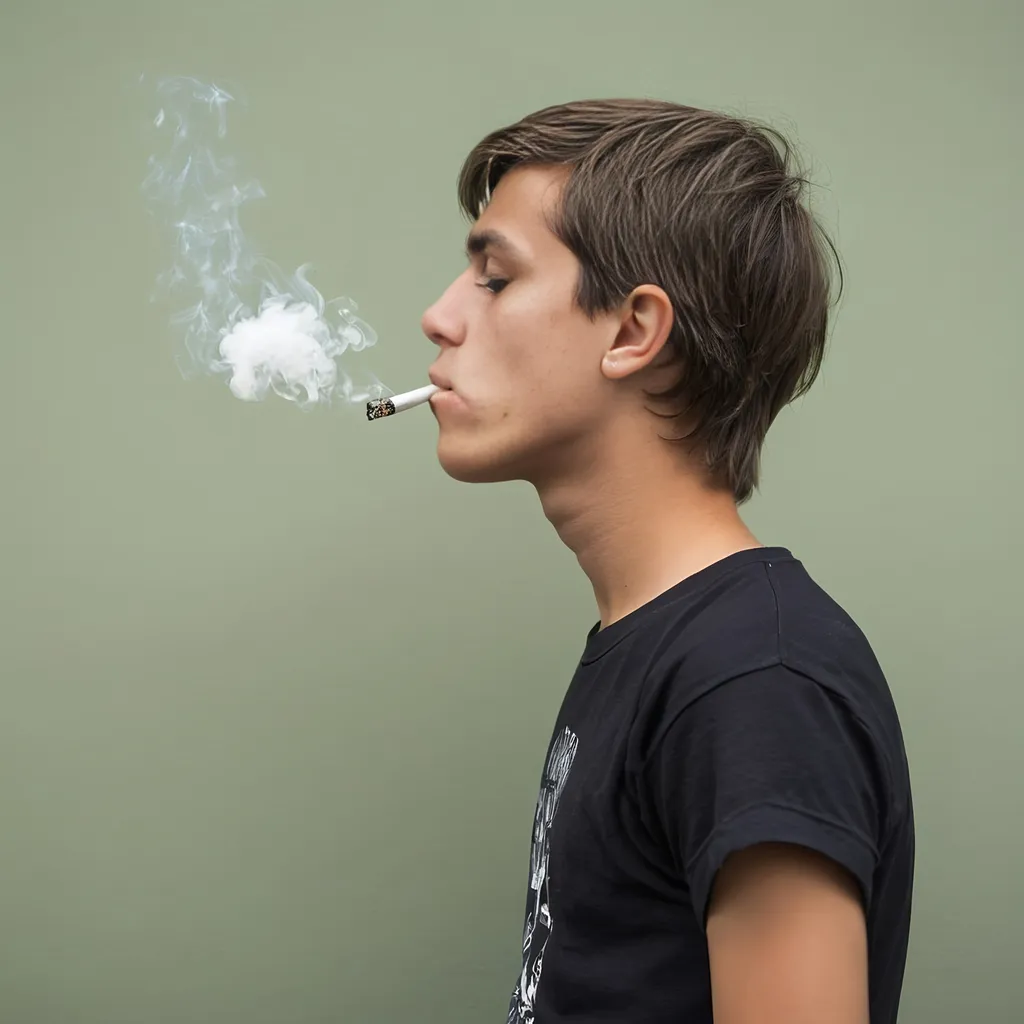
(724, 830)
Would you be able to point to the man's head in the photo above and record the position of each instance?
(636, 268)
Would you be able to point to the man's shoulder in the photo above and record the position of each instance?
(767, 612)
(819, 639)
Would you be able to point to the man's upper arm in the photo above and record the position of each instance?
(773, 804)
(786, 940)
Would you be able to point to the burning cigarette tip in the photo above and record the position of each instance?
(380, 408)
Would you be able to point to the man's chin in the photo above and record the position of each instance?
(474, 467)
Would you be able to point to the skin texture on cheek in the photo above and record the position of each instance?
(533, 380)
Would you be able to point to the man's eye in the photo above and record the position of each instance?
(493, 284)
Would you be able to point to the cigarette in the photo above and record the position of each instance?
(382, 407)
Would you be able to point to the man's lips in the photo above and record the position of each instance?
(447, 398)
(439, 380)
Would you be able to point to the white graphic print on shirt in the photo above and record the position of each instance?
(539, 922)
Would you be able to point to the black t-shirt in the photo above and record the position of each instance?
(741, 706)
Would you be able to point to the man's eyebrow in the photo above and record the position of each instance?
(480, 242)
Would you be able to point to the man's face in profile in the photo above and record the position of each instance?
(520, 361)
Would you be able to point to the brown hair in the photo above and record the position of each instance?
(708, 207)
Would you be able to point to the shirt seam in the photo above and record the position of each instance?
(778, 612)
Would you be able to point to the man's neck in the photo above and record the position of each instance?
(640, 525)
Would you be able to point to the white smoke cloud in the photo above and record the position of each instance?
(244, 317)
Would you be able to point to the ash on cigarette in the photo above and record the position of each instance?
(379, 409)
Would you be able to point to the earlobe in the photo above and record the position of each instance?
(614, 366)
(646, 322)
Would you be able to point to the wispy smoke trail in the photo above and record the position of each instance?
(244, 316)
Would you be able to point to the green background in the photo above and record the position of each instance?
(274, 691)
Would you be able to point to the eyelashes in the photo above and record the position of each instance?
(494, 285)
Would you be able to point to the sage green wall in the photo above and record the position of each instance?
(242, 779)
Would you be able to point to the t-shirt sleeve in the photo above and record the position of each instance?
(771, 756)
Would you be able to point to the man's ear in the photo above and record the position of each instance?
(646, 321)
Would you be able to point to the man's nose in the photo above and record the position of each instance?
(441, 323)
